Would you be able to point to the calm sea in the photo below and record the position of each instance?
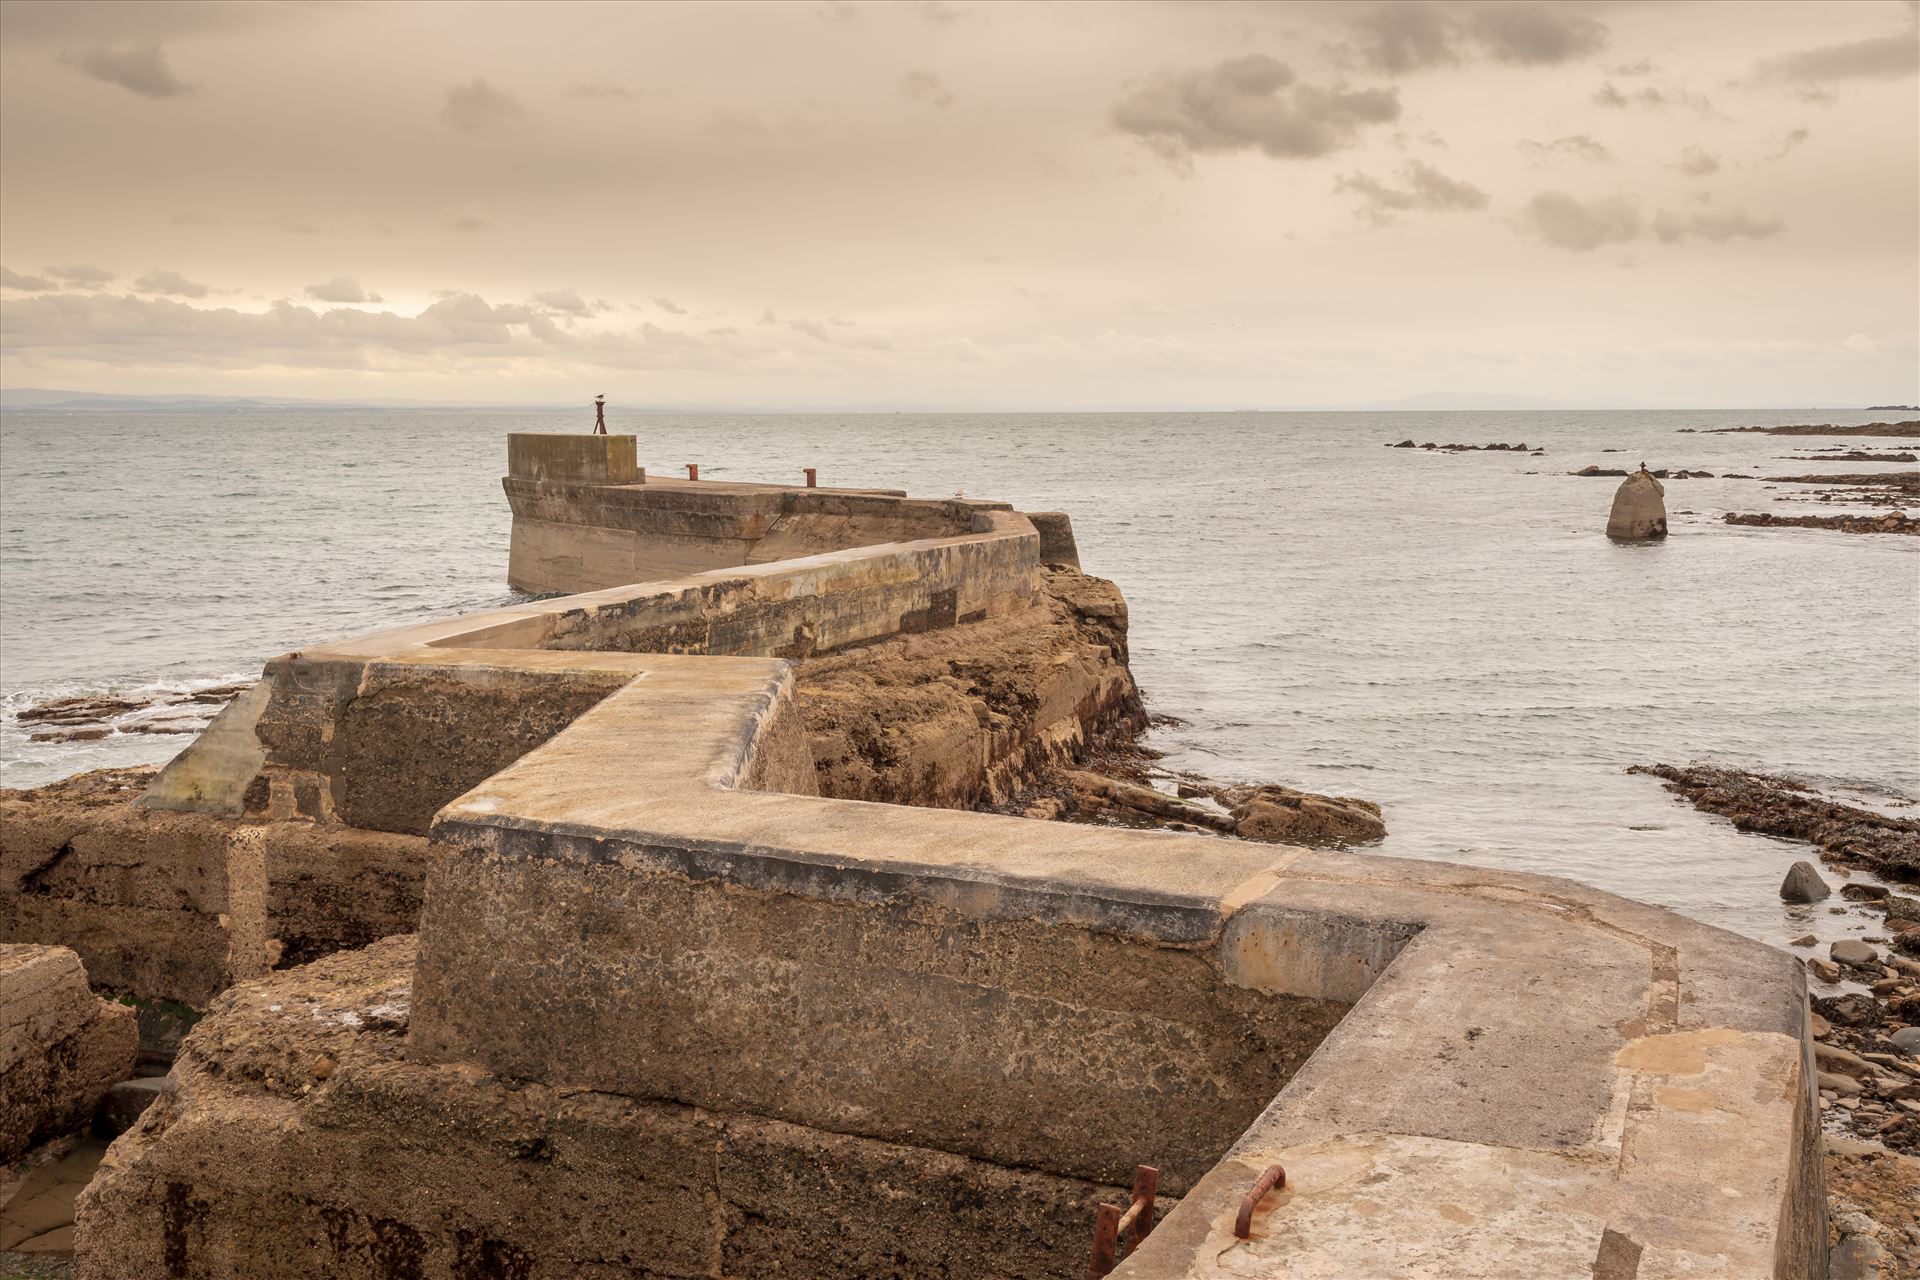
(1450, 635)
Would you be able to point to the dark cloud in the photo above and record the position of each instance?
(1890, 57)
(170, 283)
(1565, 222)
(1248, 103)
(341, 289)
(1536, 34)
(81, 276)
(1716, 225)
(29, 284)
(477, 109)
(140, 68)
(924, 86)
(1573, 146)
(1697, 162)
(1398, 36)
(669, 306)
(1421, 188)
(1406, 35)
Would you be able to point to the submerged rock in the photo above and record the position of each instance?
(1803, 884)
(1639, 509)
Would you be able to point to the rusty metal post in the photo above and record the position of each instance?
(813, 477)
(693, 471)
(1146, 1186)
(1274, 1179)
(1106, 1232)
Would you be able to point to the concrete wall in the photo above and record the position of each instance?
(587, 536)
(179, 906)
(573, 459)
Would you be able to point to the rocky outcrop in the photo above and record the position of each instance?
(1468, 448)
(1888, 429)
(1775, 806)
(971, 714)
(1301, 817)
(61, 1047)
(1639, 509)
(1891, 522)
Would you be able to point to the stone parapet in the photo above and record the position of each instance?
(573, 459)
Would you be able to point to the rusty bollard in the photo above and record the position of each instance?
(813, 477)
(693, 471)
(1274, 1179)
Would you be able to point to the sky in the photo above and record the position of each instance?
(966, 205)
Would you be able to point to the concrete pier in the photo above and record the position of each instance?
(669, 1012)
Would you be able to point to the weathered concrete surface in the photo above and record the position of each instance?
(304, 1143)
(61, 1047)
(178, 906)
(573, 459)
(1639, 509)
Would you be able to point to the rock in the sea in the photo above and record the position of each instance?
(1863, 892)
(1283, 814)
(1803, 884)
(1639, 509)
(1907, 1041)
(1825, 970)
(1853, 952)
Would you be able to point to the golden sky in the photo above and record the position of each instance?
(960, 204)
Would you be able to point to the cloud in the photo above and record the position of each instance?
(1717, 225)
(1652, 98)
(170, 283)
(469, 217)
(29, 284)
(566, 302)
(1422, 188)
(1789, 142)
(341, 289)
(924, 86)
(140, 68)
(81, 276)
(1697, 162)
(1574, 146)
(1398, 36)
(669, 306)
(599, 90)
(477, 109)
(1565, 222)
(936, 13)
(1890, 57)
(1406, 35)
(1537, 34)
(296, 226)
(1248, 103)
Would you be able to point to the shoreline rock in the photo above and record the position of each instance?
(1846, 835)
(1890, 429)
(1891, 522)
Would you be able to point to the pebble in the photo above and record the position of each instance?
(1825, 970)
(1805, 940)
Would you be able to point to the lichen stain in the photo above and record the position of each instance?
(1682, 1053)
